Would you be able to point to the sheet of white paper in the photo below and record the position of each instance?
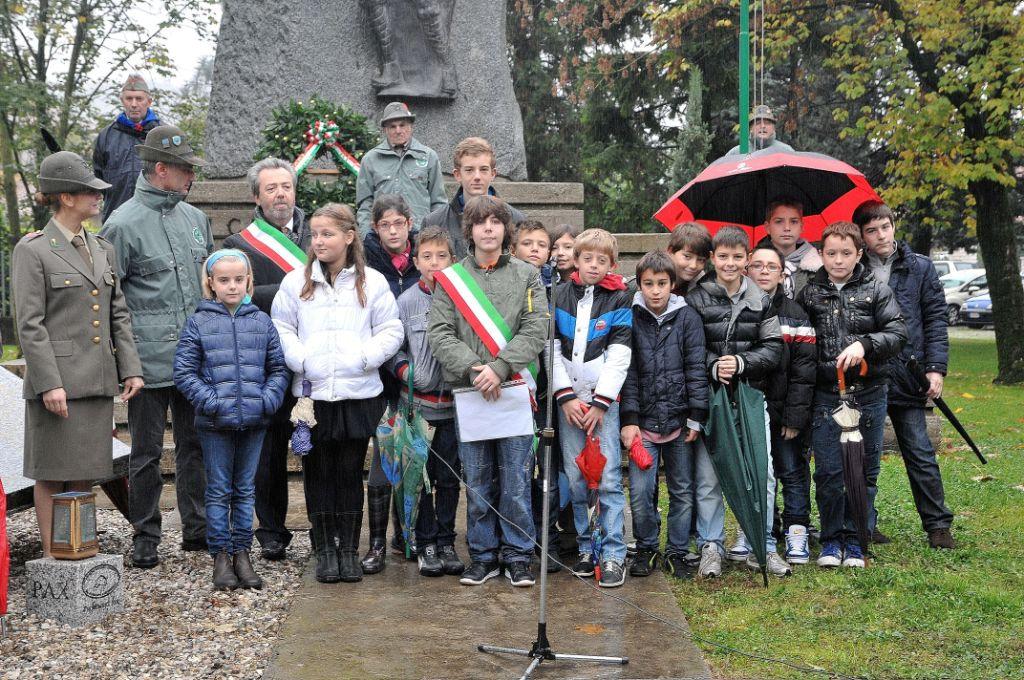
(510, 416)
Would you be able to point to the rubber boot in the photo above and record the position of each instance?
(377, 499)
(321, 534)
(350, 524)
(247, 576)
(223, 574)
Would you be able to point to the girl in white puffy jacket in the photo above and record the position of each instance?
(338, 323)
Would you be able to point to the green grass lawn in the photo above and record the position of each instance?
(9, 352)
(914, 612)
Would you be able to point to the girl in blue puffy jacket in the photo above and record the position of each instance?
(229, 365)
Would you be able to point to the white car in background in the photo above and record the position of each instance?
(944, 267)
(958, 286)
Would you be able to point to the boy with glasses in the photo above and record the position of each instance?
(789, 394)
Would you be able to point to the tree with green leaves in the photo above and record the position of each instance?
(942, 102)
(60, 58)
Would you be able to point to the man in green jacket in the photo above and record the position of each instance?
(160, 243)
(486, 285)
(399, 165)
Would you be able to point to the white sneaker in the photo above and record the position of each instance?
(740, 550)
(710, 561)
(796, 545)
(776, 565)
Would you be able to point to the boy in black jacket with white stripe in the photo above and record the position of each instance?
(789, 394)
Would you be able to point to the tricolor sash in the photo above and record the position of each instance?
(275, 246)
(482, 316)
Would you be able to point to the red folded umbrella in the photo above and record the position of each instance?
(736, 190)
(639, 455)
(591, 462)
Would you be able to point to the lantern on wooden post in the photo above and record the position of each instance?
(74, 526)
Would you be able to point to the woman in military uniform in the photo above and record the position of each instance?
(75, 333)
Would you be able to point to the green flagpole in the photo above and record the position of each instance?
(744, 76)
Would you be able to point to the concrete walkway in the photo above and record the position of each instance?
(400, 625)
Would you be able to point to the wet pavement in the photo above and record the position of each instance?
(398, 624)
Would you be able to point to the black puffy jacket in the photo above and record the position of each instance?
(865, 310)
(115, 162)
(750, 331)
(667, 381)
(790, 390)
(922, 302)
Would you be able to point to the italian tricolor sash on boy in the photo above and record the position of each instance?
(484, 319)
(268, 240)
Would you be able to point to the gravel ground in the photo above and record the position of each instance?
(174, 624)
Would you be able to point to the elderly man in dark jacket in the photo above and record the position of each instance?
(276, 241)
(113, 158)
(915, 282)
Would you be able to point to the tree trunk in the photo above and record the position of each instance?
(1002, 265)
(921, 239)
(10, 190)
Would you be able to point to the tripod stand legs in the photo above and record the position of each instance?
(551, 656)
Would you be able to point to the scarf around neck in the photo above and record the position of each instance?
(609, 282)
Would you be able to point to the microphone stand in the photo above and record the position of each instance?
(541, 649)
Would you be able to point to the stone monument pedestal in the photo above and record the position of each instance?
(75, 592)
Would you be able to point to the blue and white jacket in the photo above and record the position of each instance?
(593, 334)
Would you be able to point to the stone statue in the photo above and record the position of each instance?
(415, 52)
(268, 53)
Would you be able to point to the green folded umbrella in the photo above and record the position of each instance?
(738, 447)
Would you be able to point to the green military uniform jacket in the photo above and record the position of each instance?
(415, 175)
(73, 324)
(160, 243)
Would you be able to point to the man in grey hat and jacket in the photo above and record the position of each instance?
(399, 165)
(762, 133)
(160, 243)
(113, 158)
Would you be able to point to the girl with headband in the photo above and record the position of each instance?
(230, 366)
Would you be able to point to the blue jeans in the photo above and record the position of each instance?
(830, 492)
(498, 473)
(678, 457)
(231, 458)
(793, 471)
(922, 468)
(611, 497)
(710, 503)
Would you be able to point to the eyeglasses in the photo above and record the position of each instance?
(771, 268)
(167, 141)
(397, 224)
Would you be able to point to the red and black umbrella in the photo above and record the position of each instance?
(736, 190)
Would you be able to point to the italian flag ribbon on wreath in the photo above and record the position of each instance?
(485, 320)
(322, 134)
(275, 246)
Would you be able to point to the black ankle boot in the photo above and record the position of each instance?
(321, 535)
(223, 574)
(247, 576)
(377, 499)
(350, 524)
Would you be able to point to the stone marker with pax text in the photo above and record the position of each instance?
(75, 592)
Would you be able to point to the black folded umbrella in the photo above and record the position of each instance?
(918, 372)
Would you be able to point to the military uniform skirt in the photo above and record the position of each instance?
(78, 447)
